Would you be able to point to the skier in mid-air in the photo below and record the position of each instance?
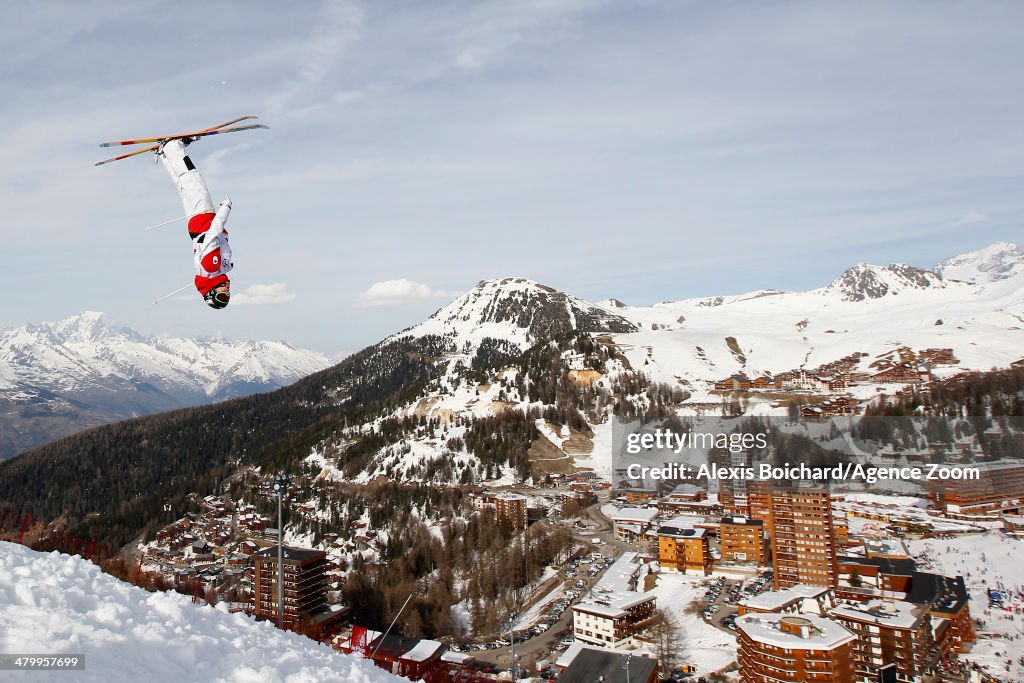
(206, 227)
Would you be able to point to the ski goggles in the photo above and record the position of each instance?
(217, 299)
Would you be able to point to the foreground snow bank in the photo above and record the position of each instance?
(58, 604)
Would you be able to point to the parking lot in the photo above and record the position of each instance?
(722, 596)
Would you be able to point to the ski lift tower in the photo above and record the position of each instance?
(281, 481)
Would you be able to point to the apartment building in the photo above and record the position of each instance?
(890, 634)
(803, 540)
(614, 612)
(631, 524)
(998, 489)
(786, 647)
(685, 550)
(743, 539)
(511, 507)
(305, 583)
(613, 621)
(733, 492)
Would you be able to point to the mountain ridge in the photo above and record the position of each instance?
(59, 377)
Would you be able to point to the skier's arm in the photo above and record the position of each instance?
(220, 220)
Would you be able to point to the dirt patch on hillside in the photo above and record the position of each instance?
(547, 458)
(584, 378)
(426, 407)
(499, 407)
(737, 352)
(578, 443)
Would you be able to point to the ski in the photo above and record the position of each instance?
(140, 141)
(198, 134)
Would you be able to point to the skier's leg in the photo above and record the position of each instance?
(195, 198)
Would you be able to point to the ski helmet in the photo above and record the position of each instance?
(215, 299)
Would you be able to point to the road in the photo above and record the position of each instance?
(530, 651)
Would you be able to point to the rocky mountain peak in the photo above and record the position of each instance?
(996, 262)
(864, 282)
(521, 311)
(85, 326)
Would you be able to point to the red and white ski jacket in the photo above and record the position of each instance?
(207, 228)
(210, 248)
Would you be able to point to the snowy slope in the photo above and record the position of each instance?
(58, 378)
(973, 303)
(990, 560)
(979, 314)
(999, 261)
(58, 604)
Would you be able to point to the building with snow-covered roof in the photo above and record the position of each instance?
(1014, 525)
(409, 657)
(886, 547)
(614, 611)
(801, 598)
(865, 579)
(784, 647)
(511, 507)
(896, 634)
(687, 493)
(631, 523)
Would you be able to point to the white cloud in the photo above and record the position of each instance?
(972, 217)
(397, 293)
(260, 295)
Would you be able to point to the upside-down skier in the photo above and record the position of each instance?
(206, 226)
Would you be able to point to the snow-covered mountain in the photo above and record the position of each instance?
(999, 261)
(864, 282)
(57, 378)
(55, 603)
(498, 386)
(972, 304)
(518, 311)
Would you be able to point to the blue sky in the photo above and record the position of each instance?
(644, 151)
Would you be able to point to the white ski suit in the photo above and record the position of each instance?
(206, 227)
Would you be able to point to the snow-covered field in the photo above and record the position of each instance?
(990, 560)
(705, 646)
(58, 604)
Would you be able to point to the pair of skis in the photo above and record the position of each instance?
(226, 127)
